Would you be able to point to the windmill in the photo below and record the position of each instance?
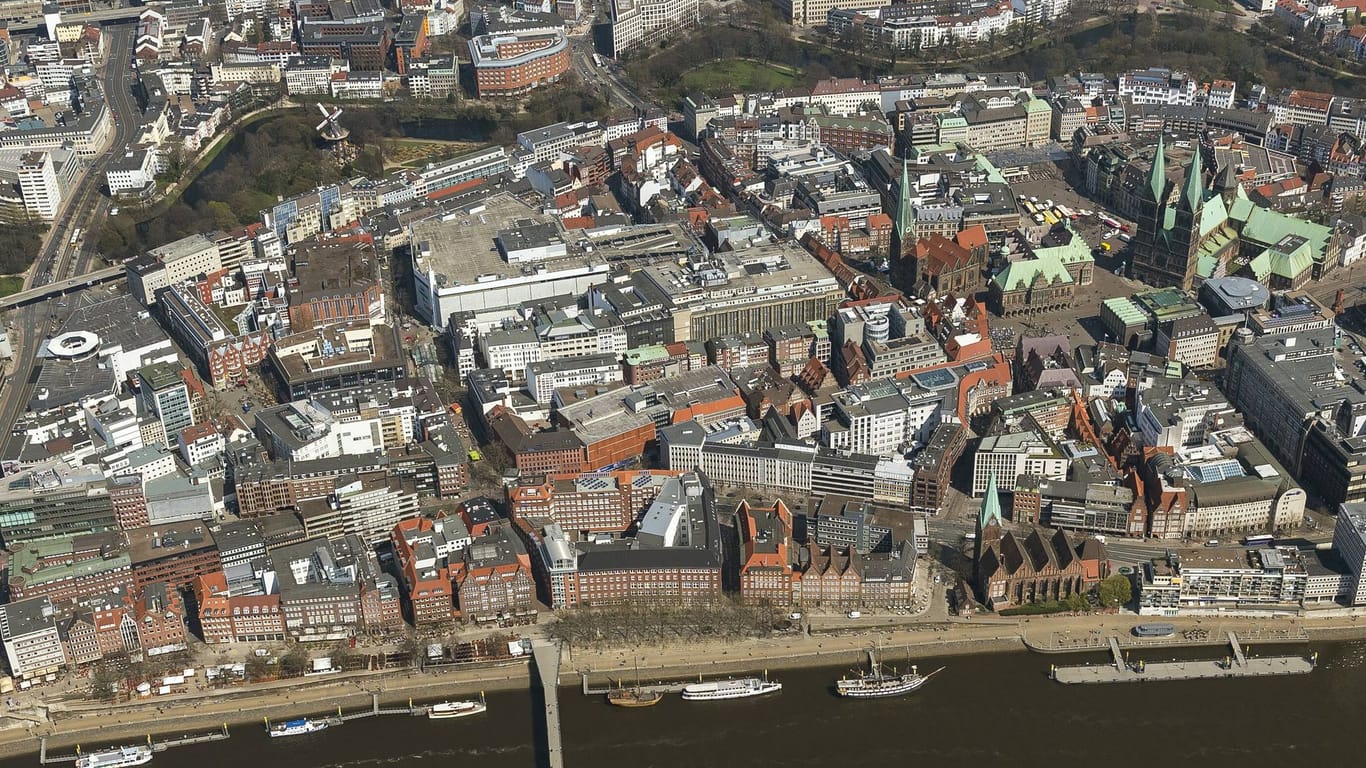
(330, 128)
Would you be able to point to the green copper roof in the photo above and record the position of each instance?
(1215, 215)
(1074, 252)
(1157, 182)
(1266, 227)
(1193, 190)
(1282, 264)
(991, 504)
(1124, 308)
(638, 355)
(1021, 274)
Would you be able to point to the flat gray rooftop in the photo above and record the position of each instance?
(461, 243)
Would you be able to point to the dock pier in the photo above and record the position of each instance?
(44, 758)
(662, 686)
(1237, 650)
(547, 657)
(1235, 665)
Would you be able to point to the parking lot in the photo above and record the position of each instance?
(1080, 322)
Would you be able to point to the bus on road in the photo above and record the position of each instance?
(1261, 540)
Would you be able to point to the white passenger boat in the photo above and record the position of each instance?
(720, 690)
(115, 758)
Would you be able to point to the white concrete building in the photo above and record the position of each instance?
(312, 75)
(358, 85)
(1349, 539)
(28, 629)
(1158, 85)
(1011, 455)
(132, 173)
(1222, 94)
(881, 417)
(545, 376)
(639, 23)
(510, 350)
(39, 186)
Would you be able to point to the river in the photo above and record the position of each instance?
(984, 710)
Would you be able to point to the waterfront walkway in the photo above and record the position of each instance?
(547, 657)
(159, 745)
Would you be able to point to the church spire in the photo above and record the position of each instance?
(991, 506)
(1193, 189)
(1225, 180)
(903, 203)
(1158, 181)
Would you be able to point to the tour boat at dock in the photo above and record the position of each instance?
(116, 758)
(296, 727)
(721, 690)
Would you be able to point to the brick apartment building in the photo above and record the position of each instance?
(174, 554)
(364, 45)
(765, 543)
(225, 618)
(494, 577)
(507, 64)
(334, 282)
(606, 502)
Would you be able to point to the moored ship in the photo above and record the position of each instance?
(721, 690)
(633, 697)
(296, 727)
(878, 684)
(449, 709)
(115, 758)
(621, 696)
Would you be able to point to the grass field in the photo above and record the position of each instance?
(1210, 5)
(414, 153)
(11, 284)
(736, 75)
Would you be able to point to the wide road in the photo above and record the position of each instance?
(86, 208)
(613, 87)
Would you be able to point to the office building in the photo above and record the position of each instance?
(583, 504)
(642, 23)
(54, 499)
(38, 183)
(512, 63)
(164, 394)
(33, 647)
(1007, 457)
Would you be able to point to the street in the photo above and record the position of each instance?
(85, 208)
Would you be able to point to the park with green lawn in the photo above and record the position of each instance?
(737, 76)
